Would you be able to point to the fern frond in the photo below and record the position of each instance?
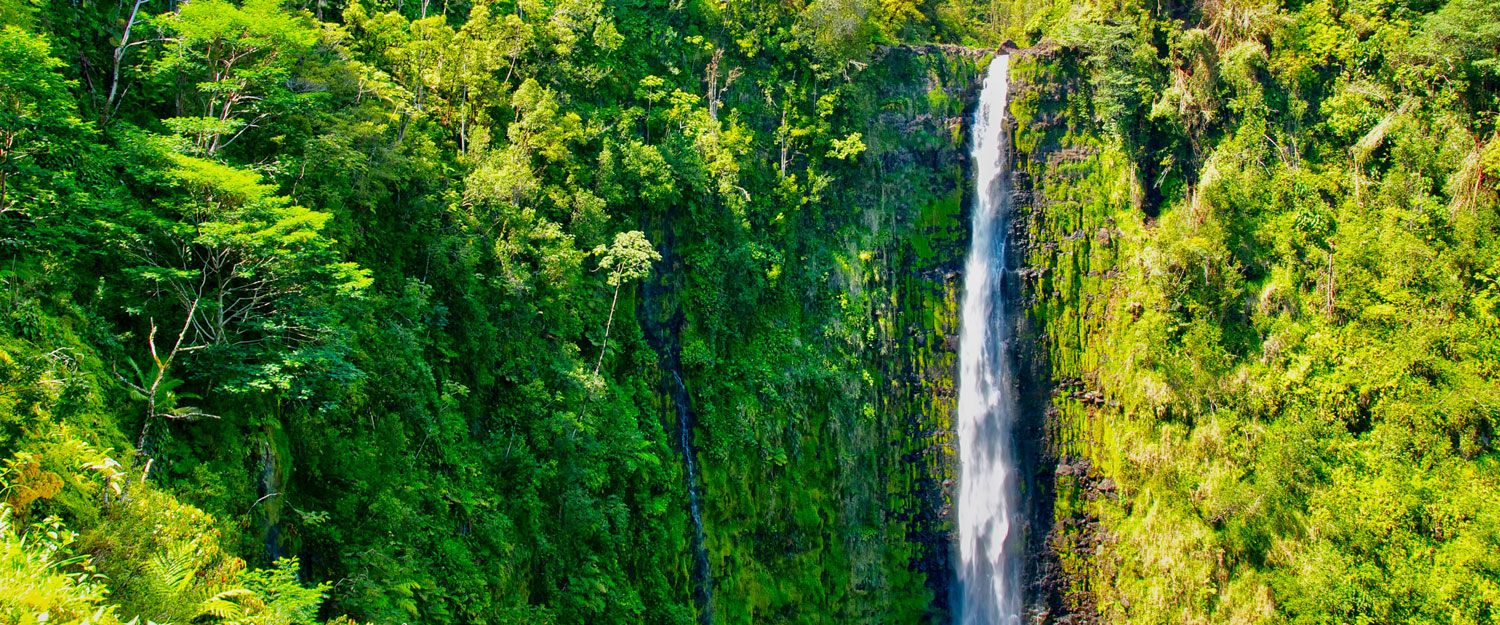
(224, 606)
(171, 573)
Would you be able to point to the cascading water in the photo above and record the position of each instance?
(703, 592)
(989, 568)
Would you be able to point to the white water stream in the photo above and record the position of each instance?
(989, 567)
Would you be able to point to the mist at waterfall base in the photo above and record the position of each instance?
(989, 567)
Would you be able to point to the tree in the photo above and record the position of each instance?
(839, 34)
(1465, 36)
(629, 258)
(17, 12)
(35, 106)
(245, 270)
(119, 58)
(241, 61)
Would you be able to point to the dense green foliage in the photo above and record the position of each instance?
(1274, 287)
(379, 308)
(398, 288)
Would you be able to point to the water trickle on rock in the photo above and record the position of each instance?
(703, 591)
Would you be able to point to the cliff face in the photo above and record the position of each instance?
(1244, 339)
(851, 521)
(1057, 244)
(838, 511)
(1069, 185)
(918, 195)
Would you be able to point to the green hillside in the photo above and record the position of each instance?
(388, 311)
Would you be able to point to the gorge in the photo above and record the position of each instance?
(1044, 312)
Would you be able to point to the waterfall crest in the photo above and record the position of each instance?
(989, 567)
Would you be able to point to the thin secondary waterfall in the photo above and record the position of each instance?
(703, 592)
(989, 568)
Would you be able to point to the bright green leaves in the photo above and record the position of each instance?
(227, 29)
(215, 183)
(272, 596)
(32, 93)
(20, 13)
(577, 35)
(235, 210)
(41, 582)
(245, 273)
(539, 125)
(1305, 350)
(503, 177)
(36, 114)
(1469, 31)
(847, 148)
(651, 89)
(628, 258)
(634, 170)
(150, 557)
(839, 32)
(470, 80)
(504, 203)
(240, 62)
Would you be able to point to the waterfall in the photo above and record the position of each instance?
(989, 567)
(703, 592)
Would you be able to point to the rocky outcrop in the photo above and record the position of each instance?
(936, 49)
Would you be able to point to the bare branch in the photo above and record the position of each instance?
(133, 386)
(187, 416)
(114, 83)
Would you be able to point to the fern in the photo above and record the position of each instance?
(225, 607)
(170, 577)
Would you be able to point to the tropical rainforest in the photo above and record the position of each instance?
(644, 311)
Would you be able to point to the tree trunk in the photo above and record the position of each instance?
(607, 325)
(114, 81)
